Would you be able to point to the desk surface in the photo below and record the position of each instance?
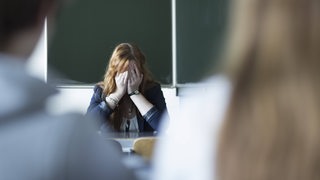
(129, 135)
(126, 139)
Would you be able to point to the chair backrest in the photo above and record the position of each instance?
(143, 146)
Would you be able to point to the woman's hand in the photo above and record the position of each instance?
(135, 77)
(121, 83)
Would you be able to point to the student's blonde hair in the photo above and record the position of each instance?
(272, 126)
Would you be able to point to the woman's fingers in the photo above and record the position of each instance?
(135, 78)
(125, 78)
(122, 77)
(136, 70)
(133, 74)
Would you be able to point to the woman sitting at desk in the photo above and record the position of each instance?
(128, 99)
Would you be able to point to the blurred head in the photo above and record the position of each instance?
(272, 125)
(122, 56)
(272, 30)
(22, 19)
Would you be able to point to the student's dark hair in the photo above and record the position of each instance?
(17, 15)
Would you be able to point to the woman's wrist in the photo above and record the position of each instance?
(116, 95)
(112, 101)
(135, 92)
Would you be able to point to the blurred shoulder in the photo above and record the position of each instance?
(205, 101)
(194, 130)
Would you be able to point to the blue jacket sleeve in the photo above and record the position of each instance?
(155, 96)
(98, 107)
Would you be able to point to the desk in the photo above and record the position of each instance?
(126, 139)
(140, 166)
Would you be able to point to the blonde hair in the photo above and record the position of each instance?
(271, 130)
(118, 62)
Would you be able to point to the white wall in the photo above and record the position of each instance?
(77, 99)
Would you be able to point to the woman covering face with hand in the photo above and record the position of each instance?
(128, 99)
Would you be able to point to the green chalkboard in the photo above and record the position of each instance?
(86, 32)
(201, 27)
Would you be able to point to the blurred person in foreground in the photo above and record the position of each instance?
(33, 143)
(128, 99)
(271, 130)
(267, 98)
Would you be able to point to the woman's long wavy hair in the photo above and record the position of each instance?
(272, 126)
(119, 61)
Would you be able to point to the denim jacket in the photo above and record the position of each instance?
(147, 123)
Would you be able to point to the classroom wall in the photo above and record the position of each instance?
(77, 100)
